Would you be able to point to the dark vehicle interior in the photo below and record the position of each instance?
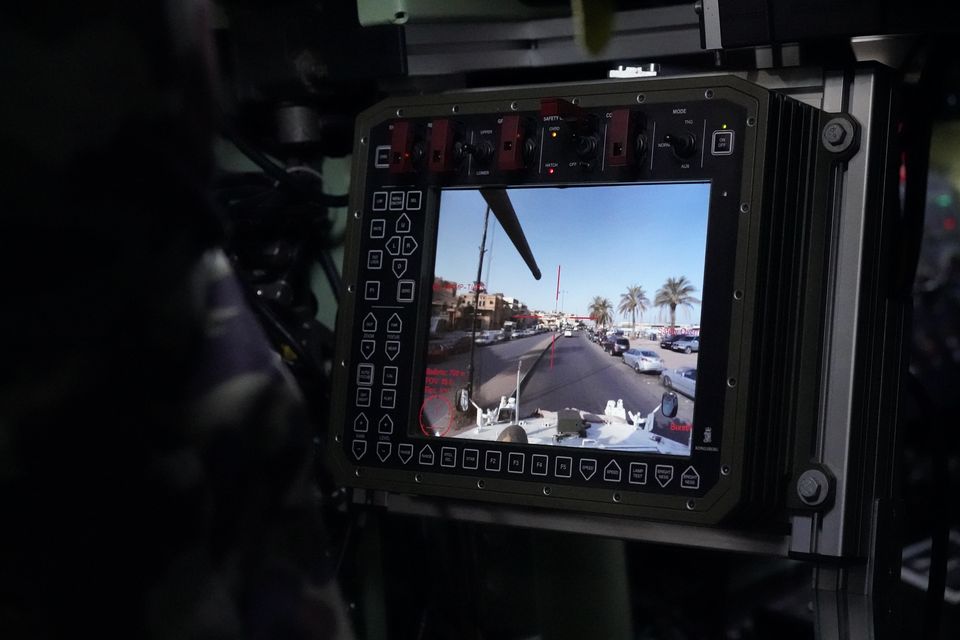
(285, 339)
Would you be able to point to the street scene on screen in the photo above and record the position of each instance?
(582, 356)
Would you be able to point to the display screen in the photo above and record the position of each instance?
(582, 355)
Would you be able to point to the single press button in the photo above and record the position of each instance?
(413, 200)
(448, 457)
(471, 459)
(539, 464)
(722, 143)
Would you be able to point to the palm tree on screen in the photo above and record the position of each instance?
(601, 310)
(635, 298)
(676, 292)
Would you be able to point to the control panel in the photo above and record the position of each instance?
(402, 420)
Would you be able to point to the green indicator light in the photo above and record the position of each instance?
(944, 200)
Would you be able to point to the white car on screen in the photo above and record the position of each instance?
(568, 333)
(688, 344)
(641, 360)
(683, 379)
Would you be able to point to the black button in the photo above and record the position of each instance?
(393, 349)
(638, 473)
(426, 455)
(722, 143)
(359, 448)
(588, 467)
(394, 324)
(388, 398)
(448, 457)
(492, 461)
(364, 373)
(413, 200)
(470, 458)
(405, 290)
(538, 464)
(390, 376)
(393, 246)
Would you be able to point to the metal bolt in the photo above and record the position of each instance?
(808, 488)
(812, 487)
(834, 134)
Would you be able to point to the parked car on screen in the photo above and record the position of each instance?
(667, 341)
(487, 338)
(568, 333)
(643, 360)
(615, 345)
(690, 344)
(683, 379)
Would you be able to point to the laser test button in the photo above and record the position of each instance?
(638, 473)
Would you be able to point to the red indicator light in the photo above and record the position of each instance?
(550, 170)
(949, 223)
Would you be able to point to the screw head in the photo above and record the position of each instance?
(812, 487)
(808, 488)
(834, 134)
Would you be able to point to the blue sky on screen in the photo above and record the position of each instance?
(604, 239)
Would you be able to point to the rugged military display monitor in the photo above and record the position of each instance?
(611, 297)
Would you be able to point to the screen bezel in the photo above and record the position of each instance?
(741, 192)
